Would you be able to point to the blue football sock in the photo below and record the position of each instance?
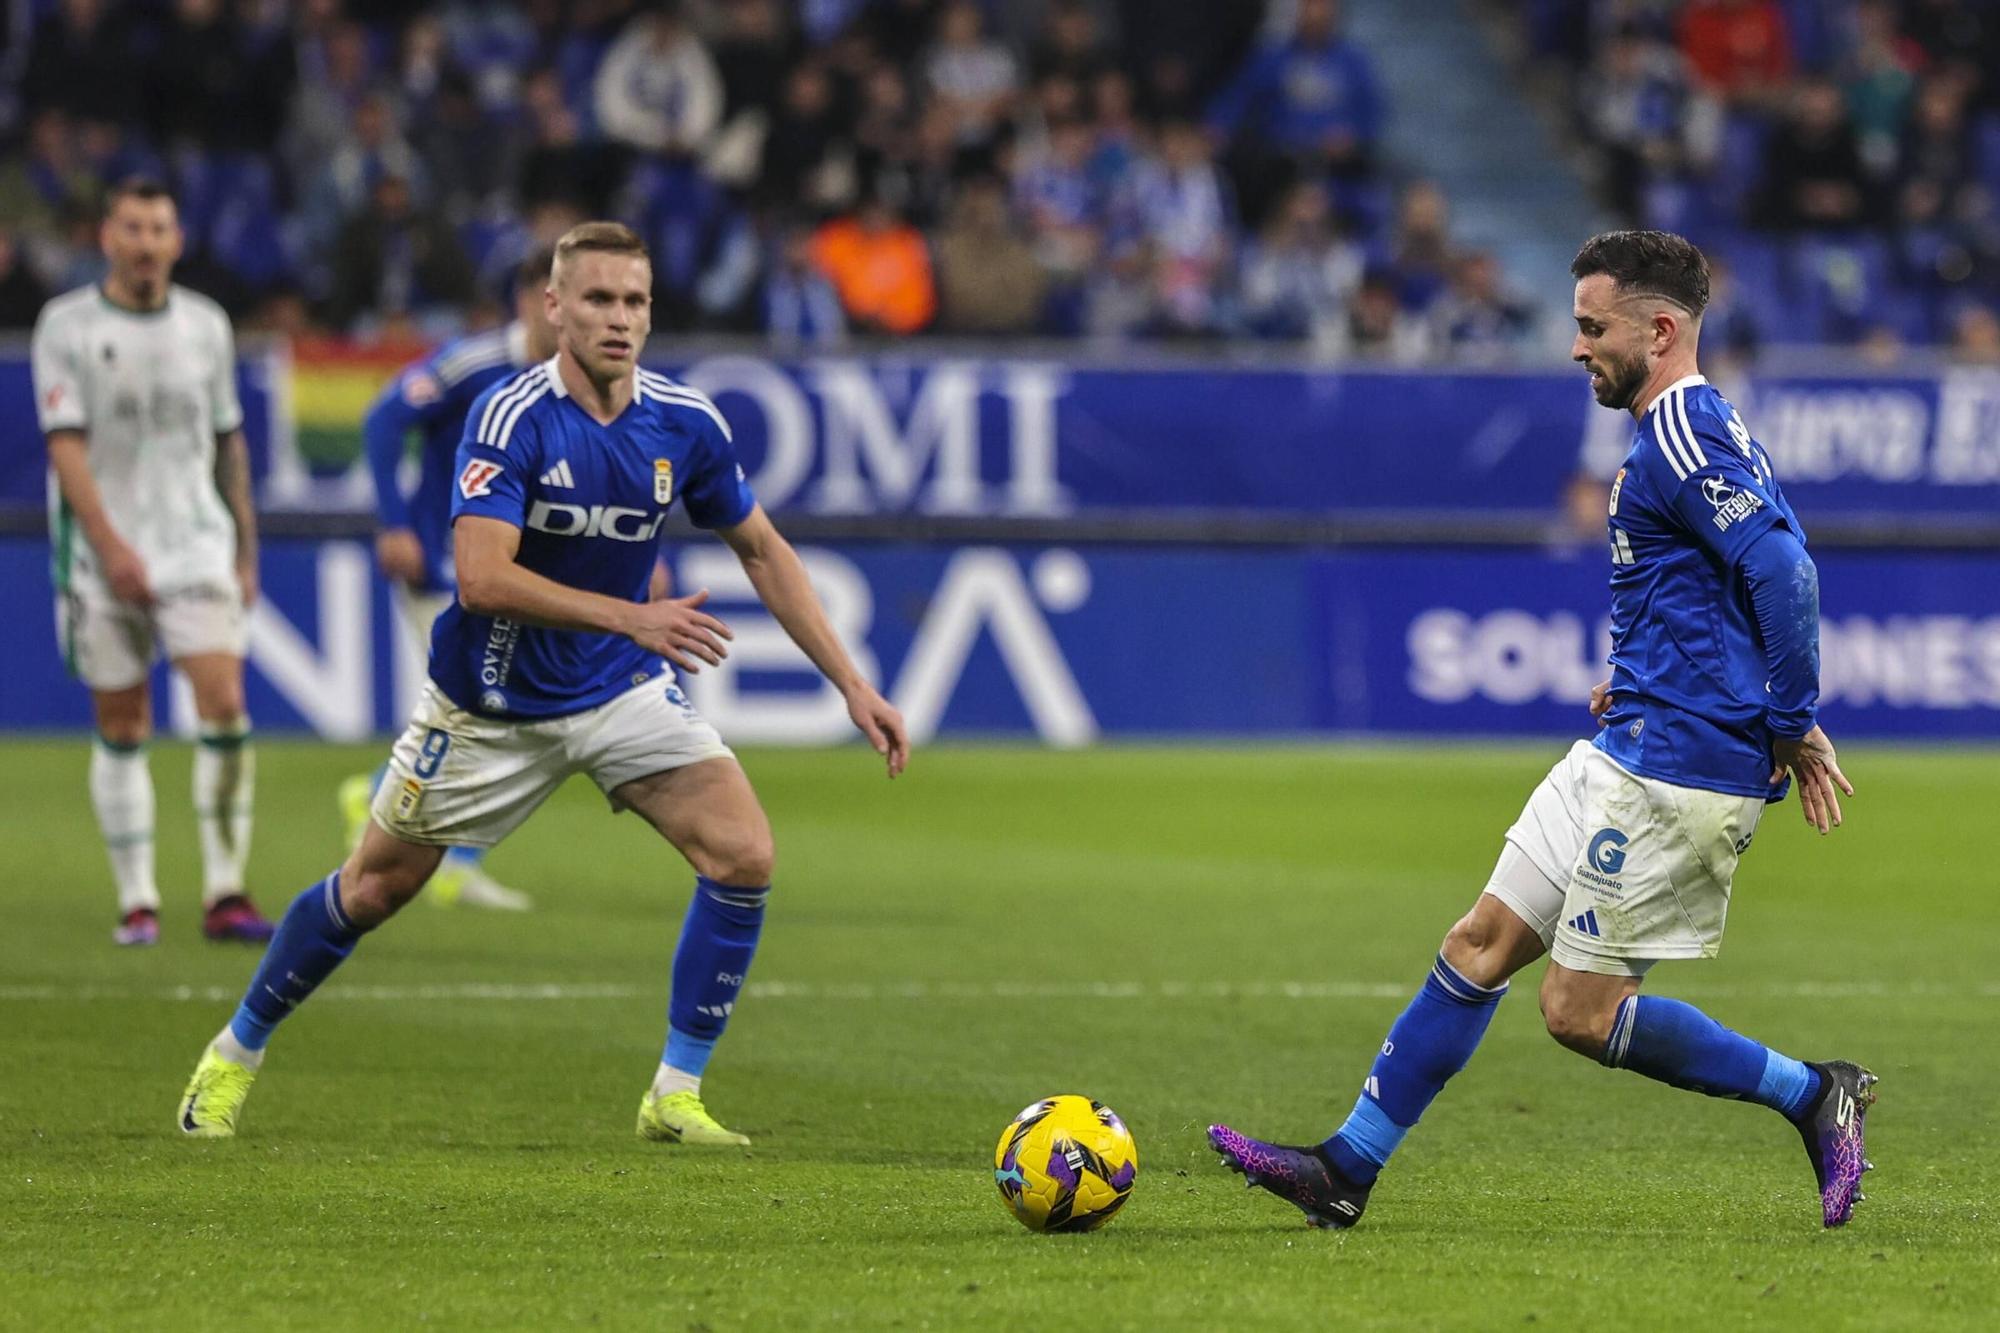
(465, 856)
(718, 940)
(1678, 1044)
(1432, 1041)
(314, 937)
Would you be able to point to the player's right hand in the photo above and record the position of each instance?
(1600, 700)
(126, 573)
(1811, 759)
(400, 555)
(678, 630)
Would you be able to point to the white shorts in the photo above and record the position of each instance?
(110, 645)
(420, 610)
(459, 780)
(1632, 870)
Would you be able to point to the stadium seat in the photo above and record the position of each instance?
(1987, 148)
(1739, 168)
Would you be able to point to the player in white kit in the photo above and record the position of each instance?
(154, 545)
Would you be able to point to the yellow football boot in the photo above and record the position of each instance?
(679, 1117)
(214, 1097)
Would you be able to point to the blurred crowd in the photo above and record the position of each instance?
(1840, 159)
(808, 170)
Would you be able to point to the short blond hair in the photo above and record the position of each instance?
(610, 238)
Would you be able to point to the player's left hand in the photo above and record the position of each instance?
(246, 580)
(881, 724)
(1600, 700)
(1812, 762)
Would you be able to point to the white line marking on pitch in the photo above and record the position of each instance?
(528, 992)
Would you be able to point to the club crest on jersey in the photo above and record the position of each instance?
(477, 479)
(1617, 485)
(663, 481)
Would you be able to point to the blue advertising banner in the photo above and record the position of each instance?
(1074, 645)
(1002, 438)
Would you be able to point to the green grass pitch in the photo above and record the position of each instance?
(444, 1138)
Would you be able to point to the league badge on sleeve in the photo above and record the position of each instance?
(663, 481)
(477, 479)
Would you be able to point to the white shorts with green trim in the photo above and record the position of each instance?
(111, 645)
(456, 779)
(1631, 870)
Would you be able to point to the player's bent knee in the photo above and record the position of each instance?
(746, 859)
(1575, 1020)
(375, 887)
(1481, 948)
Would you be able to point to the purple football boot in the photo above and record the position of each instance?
(1833, 1134)
(1300, 1176)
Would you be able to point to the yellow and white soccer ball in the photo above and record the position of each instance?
(1065, 1164)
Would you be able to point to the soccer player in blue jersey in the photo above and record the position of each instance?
(1624, 854)
(430, 399)
(553, 661)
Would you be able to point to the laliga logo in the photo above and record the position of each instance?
(1717, 491)
(1607, 851)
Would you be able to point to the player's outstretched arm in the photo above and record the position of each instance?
(491, 582)
(779, 577)
(123, 569)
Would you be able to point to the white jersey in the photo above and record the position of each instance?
(150, 391)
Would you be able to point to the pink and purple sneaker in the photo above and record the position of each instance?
(137, 928)
(1833, 1131)
(235, 917)
(1302, 1177)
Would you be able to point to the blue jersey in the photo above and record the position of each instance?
(590, 501)
(1688, 669)
(432, 396)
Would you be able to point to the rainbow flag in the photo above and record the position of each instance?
(333, 382)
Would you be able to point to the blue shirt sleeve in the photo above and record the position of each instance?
(717, 494)
(1717, 488)
(1245, 92)
(1784, 598)
(414, 399)
(1367, 95)
(493, 482)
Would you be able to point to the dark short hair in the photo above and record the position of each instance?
(1656, 263)
(532, 273)
(145, 188)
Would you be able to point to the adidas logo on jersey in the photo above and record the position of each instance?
(559, 475)
(1587, 923)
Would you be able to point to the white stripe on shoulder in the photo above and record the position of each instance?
(501, 402)
(1663, 432)
(1688, 436)
(505, 430)
(680, 395)
(471, 355)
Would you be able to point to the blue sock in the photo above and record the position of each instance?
(718, 940)
(314, 937)
(1678, 1044)
(1432, 1041)
(465, 856)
